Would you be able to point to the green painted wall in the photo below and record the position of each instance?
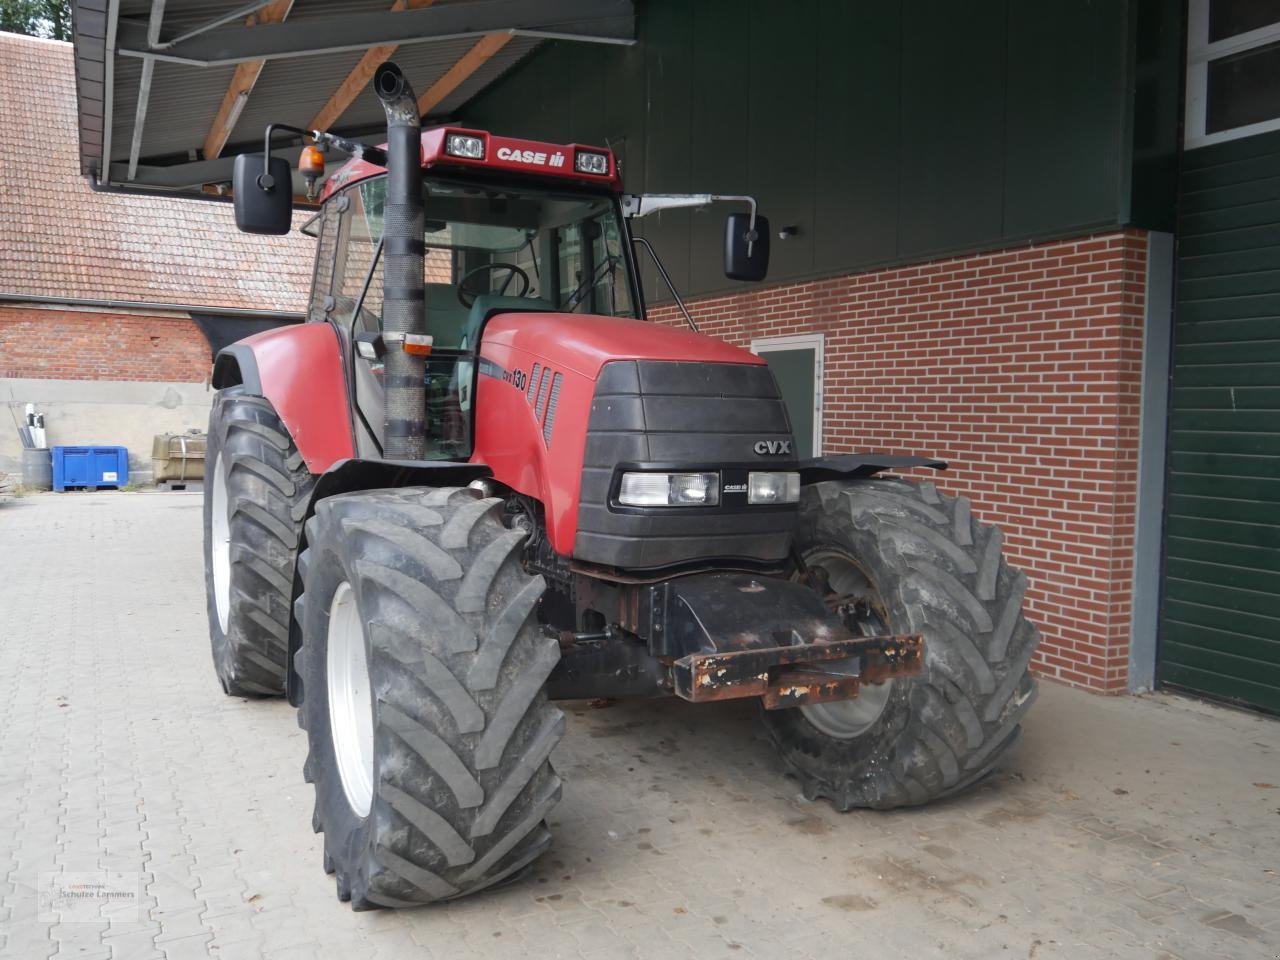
(887, 132)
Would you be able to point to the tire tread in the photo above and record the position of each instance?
(268, 488)
(952, 584)
(463, 729)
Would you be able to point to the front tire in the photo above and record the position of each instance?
(255, 495)
(424, 701)
(921, 564)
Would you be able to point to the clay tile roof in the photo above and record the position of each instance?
(62, 239)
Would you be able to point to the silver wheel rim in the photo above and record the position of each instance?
(220, 537)
(850, 719)
(350, 700)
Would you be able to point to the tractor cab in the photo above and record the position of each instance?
(508, 226)
(491, 244)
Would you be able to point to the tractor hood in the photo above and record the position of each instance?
(585, 343)
(564, 402)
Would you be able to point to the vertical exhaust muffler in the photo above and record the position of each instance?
(403, 300)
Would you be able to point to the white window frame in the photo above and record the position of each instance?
(1199, 53)
(816, 342)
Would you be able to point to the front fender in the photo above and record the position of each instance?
(299, 370)
(855, 466)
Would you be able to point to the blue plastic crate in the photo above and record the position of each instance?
(90, 467)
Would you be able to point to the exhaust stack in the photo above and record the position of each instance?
(403, 302)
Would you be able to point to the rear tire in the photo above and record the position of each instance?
(255, 495)
(449, 792)
(934, 570)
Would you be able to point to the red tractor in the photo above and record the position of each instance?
(476, 481)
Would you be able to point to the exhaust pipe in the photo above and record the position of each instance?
(403, 301)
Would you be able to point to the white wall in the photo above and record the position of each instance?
(111, 412)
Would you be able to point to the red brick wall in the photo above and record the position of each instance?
(1022, 368)
(55, 344)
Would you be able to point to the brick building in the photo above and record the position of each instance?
(1040, 241)
(1036, 240)
(110, 305)
(1022, 369)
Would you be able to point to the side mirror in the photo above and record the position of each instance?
(746, 251)
(263, 202)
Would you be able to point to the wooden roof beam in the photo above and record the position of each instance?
(360, 75)
(467, 64)
(242, 84)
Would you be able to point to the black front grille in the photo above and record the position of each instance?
(695, 416)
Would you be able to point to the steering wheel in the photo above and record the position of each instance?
(513, 271)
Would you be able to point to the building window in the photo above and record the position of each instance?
(1233, 69)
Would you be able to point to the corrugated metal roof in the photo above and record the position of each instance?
(184, 99)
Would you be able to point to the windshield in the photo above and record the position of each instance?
(560, 251)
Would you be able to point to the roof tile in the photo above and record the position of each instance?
(64, 240)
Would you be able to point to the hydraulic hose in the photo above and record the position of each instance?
(403, 300)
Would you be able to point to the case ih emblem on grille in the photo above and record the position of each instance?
(772, 448)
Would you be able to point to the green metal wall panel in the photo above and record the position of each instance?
(1220, 615)
(669, 122)
(1160, 48)
(885, 132)
(783, 132)
(1049, 40)
(719, 139)
(857, 174)
(953, 119)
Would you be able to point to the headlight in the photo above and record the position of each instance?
(773, 487)
(460, 145)
(597, 163)
(669, 490)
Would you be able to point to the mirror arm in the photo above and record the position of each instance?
(662, 271)
(363, 151)
(640, 205)
(265, 181)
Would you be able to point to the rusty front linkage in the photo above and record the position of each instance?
(800, 674)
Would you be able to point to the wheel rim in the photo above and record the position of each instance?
(350, 700)
(220, 542)
(850, 719)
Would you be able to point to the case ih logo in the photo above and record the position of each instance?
(535, 158)
(772, 448)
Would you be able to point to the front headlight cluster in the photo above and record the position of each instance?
(703, 489)
(773, 487)
(670, 489)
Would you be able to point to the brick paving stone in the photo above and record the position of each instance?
(134, 946)
(679, 835)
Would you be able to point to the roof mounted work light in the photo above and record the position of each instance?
(461, 145)
(595, 163)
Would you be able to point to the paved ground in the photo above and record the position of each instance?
(1118, 827)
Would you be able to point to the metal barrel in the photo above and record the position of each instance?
(37, 469)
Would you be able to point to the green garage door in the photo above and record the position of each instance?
(1220, 618)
